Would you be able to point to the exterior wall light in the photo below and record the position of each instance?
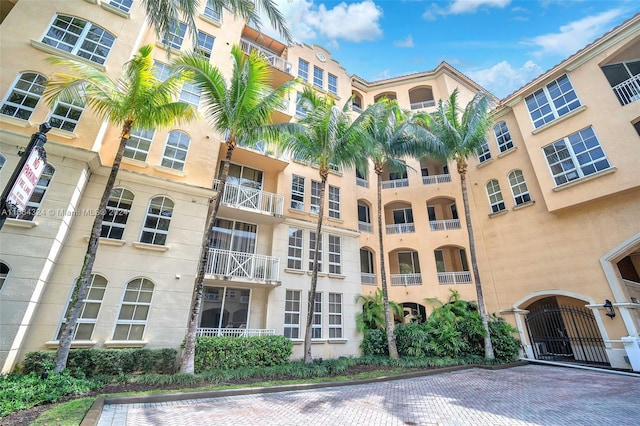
(609, 306)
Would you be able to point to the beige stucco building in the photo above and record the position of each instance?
(555, 199)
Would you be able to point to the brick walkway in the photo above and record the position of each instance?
(526, 395)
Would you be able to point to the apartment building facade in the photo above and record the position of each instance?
(259, 260)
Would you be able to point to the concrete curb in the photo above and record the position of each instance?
(93, 415)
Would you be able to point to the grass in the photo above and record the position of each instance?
(66, 414)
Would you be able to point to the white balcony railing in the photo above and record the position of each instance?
(444, 225)
(629, 90)
(365, 227)
(249, 266)
(275, 60)
(367, 278)
(250, 198)
(431, 180)
(424, 104)
(234, 332)
(362, 182)
(396, 183)
(356, 108)
(461, 277)
(401, 228)
(406, 279)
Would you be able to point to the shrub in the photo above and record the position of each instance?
(374, 342)
(236, 352)
(505, 346)
(412, 339)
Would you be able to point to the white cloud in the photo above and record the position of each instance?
(407, 42)
(502, 78)
(575, 35)
(458, 7)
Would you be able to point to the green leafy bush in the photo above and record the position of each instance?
(375, 342)
(505, 346)
(236, 352)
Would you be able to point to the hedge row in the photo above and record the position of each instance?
(237, 352)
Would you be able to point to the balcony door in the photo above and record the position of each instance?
(225, 307)
(234, 236)
(244, 176)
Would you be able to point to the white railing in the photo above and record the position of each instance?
(444, 225)
(367, 278)
(431, 180)
(365, 227)
(235, 264)
(396, 183)
(462, 277)
(401, 228)
(423, 104)
(250, 198)
(362, 182)
(275, 60)
(234, 332)
(356, 108)
(629, 90)
(406, 279)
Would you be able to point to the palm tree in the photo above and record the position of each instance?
(164, 15)
(462, 134)
(136, 99)
(391, 136)
(373, 315)
(241, 110)
(325, 137)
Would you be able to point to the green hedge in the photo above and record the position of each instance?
(237, 352)
(109, 362)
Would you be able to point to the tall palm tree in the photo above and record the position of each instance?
(391, 137)
(164, 15)
(462, 133)
(241, 110)
(325, 137)
(136, 99)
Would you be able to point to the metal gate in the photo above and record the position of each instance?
(565, 333)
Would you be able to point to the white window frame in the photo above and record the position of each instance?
(332, 86)
(292, 306)
(544, 107)
(161, 70)
(117, 208)
(519, 187)
(496, 202)
(135, 147)
(314, 202)
(335, 254)
(175, 152)
(205, 44)
(190, 94)
(175, 38)
(295, 248)
(41, 189)
(65, 116)
(212, 12)
(138, 303)
(297, 192)
(334, 202)
(503, 137)
(90, 299)
(303, 71)
(164, 206)
(22, 91)
(123, 5)
(300, 112)
(318, 77)
(336, 320)
(312, 249)
(484, 154)
(564, 160)
(316, 323)
(59, 37)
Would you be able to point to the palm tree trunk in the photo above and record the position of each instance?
(81, 285)
(314, 274)
(389, 321)
(188, 357)
(488, 347)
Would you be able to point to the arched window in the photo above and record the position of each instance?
(33, 205)
(79, 37)
(367, 267)
(519, 187)
(4, 273)
(134, 310)
(90, 309)
(156, 223)
(23, 97)
(503, 137)
(118, 209)
(495, 196)
(175, 151)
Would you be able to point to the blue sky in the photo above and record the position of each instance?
(501, 44)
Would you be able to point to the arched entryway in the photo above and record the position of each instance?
(562, 329)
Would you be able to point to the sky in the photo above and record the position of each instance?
(500, 44)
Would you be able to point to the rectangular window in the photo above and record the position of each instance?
(335, 255)
(334, 202)
(292, 314)
(176, 36)
(312, 250)
(575, 156)
(483, 153)
(318, 77)
(315, 197)
(65, 116)
(205, 44)
(161, 70)
(297, 192)
(552, 101)
(332, 83)
(123, 5)
(294, 254)
(335, 316)
(80, 38)
(190, 93)
(138, 145)
(300, 112)
(316, 325)
(175, 151)
(303, 69)
(213, 11)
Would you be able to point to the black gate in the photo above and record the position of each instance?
(565, 333)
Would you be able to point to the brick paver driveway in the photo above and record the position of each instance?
(526, 395)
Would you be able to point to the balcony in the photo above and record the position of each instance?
(401, 228)
(234, 332)
(444, 225)
(226, 264)
(424, 104)
(629, 90)
(365, 227)
(247, 198)
(406, 279)
(368, 278)
(362, 182)
(432, 180)
(276, 61)
(461, 277)
(396, 183)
